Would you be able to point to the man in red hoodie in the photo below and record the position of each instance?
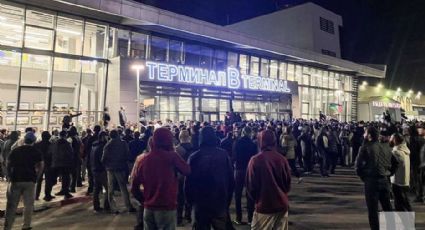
(156, 172)
(268, 183)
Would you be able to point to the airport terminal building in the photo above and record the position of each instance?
(58, 56)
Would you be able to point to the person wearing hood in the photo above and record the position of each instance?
(156, 173)
(401, 179)
(209, 188)
(63, 162)
(7, 148)
(268, 183)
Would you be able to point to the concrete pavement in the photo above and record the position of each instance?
(318, 203)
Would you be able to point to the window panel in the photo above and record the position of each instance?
(298, 74)
(220, 59)
(264, 67)
(273, 69)
(331, 80)
(38, 38)
(69, 36)
(11, 25)
(9, 69)
(36, 70)
(232, 59)
(255, 66)
(291, 72)
(94, 40)
(282, 70)
(243, 63)
(159, 47)
(138, 45)
(176, 54)
(325, 79)
(206, 57)
(192, 54)
(39, 18)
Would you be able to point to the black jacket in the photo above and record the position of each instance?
(115, 155)
(62, 154)
(244, 150)
(96, 157)
(44, 148)
(210, 184)
(374, 161)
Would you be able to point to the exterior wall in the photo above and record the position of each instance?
(292, 27)
(298, 26)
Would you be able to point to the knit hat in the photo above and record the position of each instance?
(29, 138)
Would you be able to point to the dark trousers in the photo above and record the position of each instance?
(294, 169)
(182, 205)
(356, 148)
(377, 190)
(401, 200)
(332, 159)
(76, 177)
(205, 219)
(299, 155)
(100, 182)
(49, 180)
(139, 218)
(90, 178)
(308, 160)
(65, 174)
(323, 162)
(418, 177)
(239, 185)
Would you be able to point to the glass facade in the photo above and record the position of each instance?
(53, 63)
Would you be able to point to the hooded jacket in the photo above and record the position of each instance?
(268, 178)
(210, 185)
(157, 171)
(116, 155)
(402, 175)
(62, 154)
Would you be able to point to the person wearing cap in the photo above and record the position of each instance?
(209, 188)
(243, 151)
(24, 165)
(156, 173)
(268, 183)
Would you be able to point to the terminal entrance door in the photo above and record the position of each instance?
(210, 116)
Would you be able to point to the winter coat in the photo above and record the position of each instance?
(244, 150)
(373, 161)
(402, 175)
(289, 143)
(96, 157)
(44, 148)
(62, 154)
(116, 155)
(210, 185)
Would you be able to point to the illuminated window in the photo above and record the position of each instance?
(69, 34)
(264, 67)
(255, 66)
(273, 69)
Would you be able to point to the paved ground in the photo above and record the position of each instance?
(318, 203)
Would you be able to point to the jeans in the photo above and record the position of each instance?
(159, 220)
(65, 174)
(332, 159)
(308, 160)
(100, 183)
(401, 199)
(324, 162)
(14, 192)
(239, 185)
(76, 179)
(90, 178)
(205, 219)
(347, 156)
(49, 181)
(418, 177)
(121, 179)
(377, 190)
(139, 218)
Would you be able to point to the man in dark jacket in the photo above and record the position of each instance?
(268, 183)
(62, 162)
(87, 149)
(99, 173)
(76, 180)
(373, 165)
(136, 147)
(227, 143)
(115, 158)
(49, 176)
(244, 150)
(357, 139)
(209, 187)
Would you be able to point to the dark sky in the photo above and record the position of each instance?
(390, 32)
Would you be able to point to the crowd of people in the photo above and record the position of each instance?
(190, 172)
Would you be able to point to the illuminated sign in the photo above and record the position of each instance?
(231, 78)
(382, 104)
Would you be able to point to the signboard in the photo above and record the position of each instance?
(382, 104)
(231, 78)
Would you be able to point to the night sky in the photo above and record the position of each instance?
(390, 32)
